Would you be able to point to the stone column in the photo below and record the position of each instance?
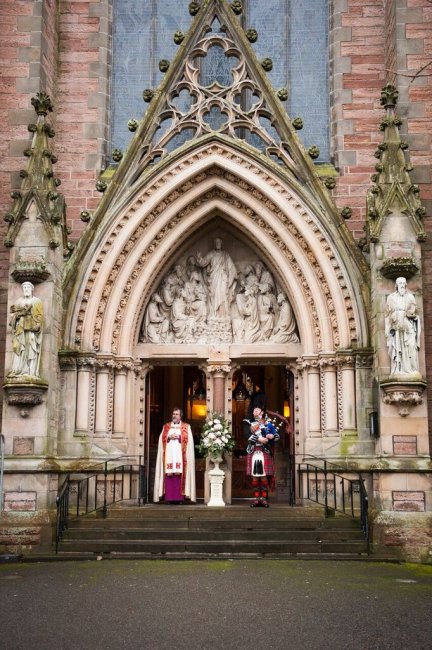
(329, 396)
(102, 402)
(313, 397)
(83, 394)
(120, 401)
(218, 371)
(347, 396)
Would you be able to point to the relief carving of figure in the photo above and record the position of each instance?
(182, 323)
(221, 275)
(210, 299)
(285, 328)
(27, 328)
(156, 325)
(402, 330)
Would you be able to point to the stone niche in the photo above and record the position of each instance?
(219, 290)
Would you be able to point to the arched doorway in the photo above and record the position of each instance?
(272, 387)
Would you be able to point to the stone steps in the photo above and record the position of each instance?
(208, 535)
(201, 532)
(213, 547)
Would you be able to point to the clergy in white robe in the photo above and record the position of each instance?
(175, 462)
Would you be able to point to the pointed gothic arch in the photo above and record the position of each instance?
(132, 248)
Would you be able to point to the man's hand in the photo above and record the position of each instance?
(270, 436)
(262, 440)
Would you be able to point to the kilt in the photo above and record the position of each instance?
(268, 464)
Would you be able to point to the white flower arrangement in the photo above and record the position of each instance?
(215, 436)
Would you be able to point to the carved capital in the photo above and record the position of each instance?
(83, 362)
(328, 363)
(218, 368)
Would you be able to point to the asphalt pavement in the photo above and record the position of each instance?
(218, 604)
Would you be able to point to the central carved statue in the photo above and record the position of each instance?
(211, 300)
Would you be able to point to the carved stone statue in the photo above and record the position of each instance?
(27, 323)
(221, 277)
(402, 330)
(209, 299)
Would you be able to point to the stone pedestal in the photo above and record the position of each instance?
(216, 478)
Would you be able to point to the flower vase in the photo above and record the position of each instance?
(216, 477)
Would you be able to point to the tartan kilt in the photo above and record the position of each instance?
(268, 464)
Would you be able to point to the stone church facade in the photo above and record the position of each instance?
(217, 246)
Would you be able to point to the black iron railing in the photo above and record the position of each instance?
(98, 490)
(326, 484)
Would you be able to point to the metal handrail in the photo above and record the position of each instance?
(91, 493)
(341, 498)
(2, 454)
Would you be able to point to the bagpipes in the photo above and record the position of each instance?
(254, 430)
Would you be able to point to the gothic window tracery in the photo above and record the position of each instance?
(293, 34)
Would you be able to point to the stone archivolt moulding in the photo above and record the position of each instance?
(404, 395)
(186, 187)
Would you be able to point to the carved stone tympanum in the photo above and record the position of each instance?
(210, 298)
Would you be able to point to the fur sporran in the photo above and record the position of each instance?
(258, 464)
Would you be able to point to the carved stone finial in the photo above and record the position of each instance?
(237, 7)
(148, 95)
(389, 96)
(85, 216)
(178, 37)
(297, 123)
(252, 35)
(330, 182)
(393, 189)
(346, 212)
(164, 64)
(117, 155)
(101, 186)
(194, 8)
(39, 181)
(314, 152)
(133, 125)
(282, 93)
(267, 64)
(42, 103)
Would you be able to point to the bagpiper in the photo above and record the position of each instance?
(260, 465)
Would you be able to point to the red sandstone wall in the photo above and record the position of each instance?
(64, 48)
(82, 103)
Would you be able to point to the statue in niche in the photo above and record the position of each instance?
(26, 323)
(285, 328)
(402, 330)
(221, 275)
(156, 324)
(210, 299)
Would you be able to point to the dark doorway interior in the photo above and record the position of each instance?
(272, 388)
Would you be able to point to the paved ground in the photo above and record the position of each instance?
(215, 604)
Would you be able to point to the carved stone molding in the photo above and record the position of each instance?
(34, 272)
(265, 177)
(404, 395)
(25, 395)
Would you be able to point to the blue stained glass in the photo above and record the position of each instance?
(143, 33)
(293, 33)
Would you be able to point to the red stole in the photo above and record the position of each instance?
(184, 441)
